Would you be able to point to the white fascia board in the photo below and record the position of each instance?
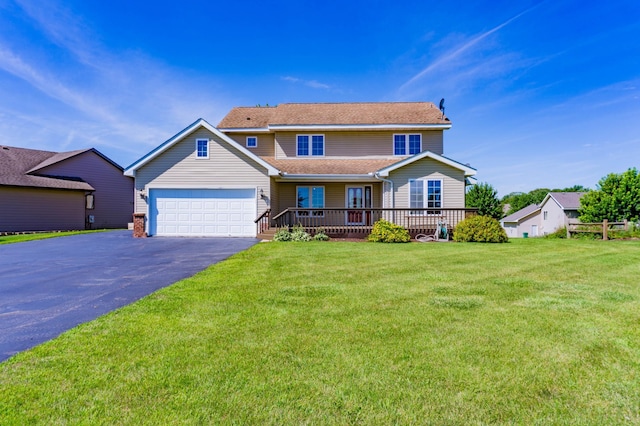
(245, 130)
(468, 171)
(327, 178)
(131, 170)
(546, 198)
(320, 127)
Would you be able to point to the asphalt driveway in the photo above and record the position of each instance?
(49, 286)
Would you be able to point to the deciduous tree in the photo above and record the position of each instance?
(617, 198)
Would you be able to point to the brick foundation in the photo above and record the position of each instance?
(138, 225)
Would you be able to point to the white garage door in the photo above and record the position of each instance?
(202, 212)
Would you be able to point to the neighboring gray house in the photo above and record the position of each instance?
(52, 191)
(321, 165)
(526, 220)
(550, 215)
(557, 208)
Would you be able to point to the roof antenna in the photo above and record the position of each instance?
(442, 107)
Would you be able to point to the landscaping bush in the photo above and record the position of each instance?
(558, 234)
(386, 232)
(296, 234)
(299, 234)
(282, 235)
(480, 229)
(320, 236)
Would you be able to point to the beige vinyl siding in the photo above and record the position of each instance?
(453, 182)
(265, 146)
(274, 199)
(178, 167)
(356, 144)
(113, 191)
(37, 209)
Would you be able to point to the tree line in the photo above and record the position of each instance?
(616, 198)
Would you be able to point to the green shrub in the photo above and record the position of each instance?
(559, 233)
(386, 232)
(321, 236)
(283, 234)
(299, 234)
(480, 229)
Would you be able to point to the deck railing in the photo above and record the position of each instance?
(359, 222)
(263, 221)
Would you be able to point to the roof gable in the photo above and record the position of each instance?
(468, 171)
(18, 167)
(522, 213)
(62, 156)
(336, 115)
(564, 200)
(131, 170)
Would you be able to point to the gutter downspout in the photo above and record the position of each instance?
(390, 182)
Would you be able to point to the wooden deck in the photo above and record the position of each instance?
(358, 223)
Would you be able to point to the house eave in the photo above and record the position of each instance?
(245, 130)
(468, 171)
(285, 177)
(356, 127)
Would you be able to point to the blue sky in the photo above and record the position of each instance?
(540, 93)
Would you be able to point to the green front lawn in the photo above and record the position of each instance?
(531, 332)
(19, 238)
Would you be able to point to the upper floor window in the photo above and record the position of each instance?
(202, 148)
(310, 145)
(545, 214)
(252, 141)
(407, 144)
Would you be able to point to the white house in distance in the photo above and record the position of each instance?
(552, 214)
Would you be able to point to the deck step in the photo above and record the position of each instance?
(267, 234)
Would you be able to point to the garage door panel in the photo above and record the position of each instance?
(202, 212)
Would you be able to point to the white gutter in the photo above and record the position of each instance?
(390, 182)
(326, 177)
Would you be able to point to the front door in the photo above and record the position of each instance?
(358, 197)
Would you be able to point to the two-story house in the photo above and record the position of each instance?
(331, 165)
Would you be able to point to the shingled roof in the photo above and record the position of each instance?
(296, 166)
(567, 200)
(18, 167)
(335, 114)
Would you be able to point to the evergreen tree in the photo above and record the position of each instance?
(483, 197)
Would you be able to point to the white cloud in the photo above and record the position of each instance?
(455, 55)
(83, 94)
(314, 84)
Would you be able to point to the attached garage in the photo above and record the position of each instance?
(202, 212)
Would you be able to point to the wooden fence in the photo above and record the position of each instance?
(596, 228)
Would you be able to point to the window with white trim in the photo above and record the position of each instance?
(425, 194)
(310, 145)
(409, 144)
(202, 148)
(545, 213)
(309, 197)
(252, 141)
